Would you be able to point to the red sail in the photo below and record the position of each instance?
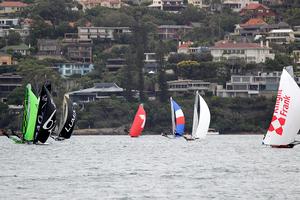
(138, 122)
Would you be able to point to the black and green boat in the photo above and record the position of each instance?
(30, 110)
(46, 115)
(39, 116)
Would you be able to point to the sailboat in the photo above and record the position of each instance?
(29, 115)
(284, 125)
(46, 115)
(138, 123)
(178, 120)
(67, 121)
(30, 109)
(201, 119)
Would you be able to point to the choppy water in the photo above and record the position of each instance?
(149, 167)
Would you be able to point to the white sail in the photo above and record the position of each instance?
(290, 70)
(285, 121)
(196, 115)
(204, 119)
(173, 116)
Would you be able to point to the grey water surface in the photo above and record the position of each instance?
(149, 167)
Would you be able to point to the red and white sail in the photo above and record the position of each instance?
(285, 121)
(138, 122)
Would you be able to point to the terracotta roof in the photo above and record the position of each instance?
(254, 6)
(185, 45)
(254, 21)
(13, 4)
(221, 45)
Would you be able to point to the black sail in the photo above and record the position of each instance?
(46, 119)
(69, 118)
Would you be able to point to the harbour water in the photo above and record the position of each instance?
(149, 167)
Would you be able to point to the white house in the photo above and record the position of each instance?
(237, 5)
(248, 52)
(262, 84)
(186, 85)
(68, 69)
(101, 32)
(281, 36)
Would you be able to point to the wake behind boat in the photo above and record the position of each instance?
(284, 125)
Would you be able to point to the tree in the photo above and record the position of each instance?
(163, 86)
(13, 38)
(138, 45)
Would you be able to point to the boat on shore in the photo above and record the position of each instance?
(212, 131)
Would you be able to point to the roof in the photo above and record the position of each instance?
(185, 45)
(254, 21)
(254, 6)
(175, 26)
(230, 45)
(99, 87)
(16, 47)
(13, 4)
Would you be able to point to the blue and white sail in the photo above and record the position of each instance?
(178, 120)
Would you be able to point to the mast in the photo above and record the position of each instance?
(196, 115)
(173, 116)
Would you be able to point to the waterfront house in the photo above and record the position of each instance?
(8, 82)
(173, 32)
(88, 4)
(96, 93)
(77, 49)
(73, 68)
(245, 52)
(236, 5)
(49, 48)
(187, 48)
(281, 36)
(190, 86)
(7, 7)
(21, 49)
(6, 23)
(174, 6)
(261, 84)
(257, 10)
(104, 33)
(5, 59)
(249, 29)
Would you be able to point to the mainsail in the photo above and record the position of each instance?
(201, 118)
(178, 120)
(68, 119)
(138, 122)
(284, 124)
(46, 119)
(30, 114)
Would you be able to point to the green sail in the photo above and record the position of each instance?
(30, 114)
